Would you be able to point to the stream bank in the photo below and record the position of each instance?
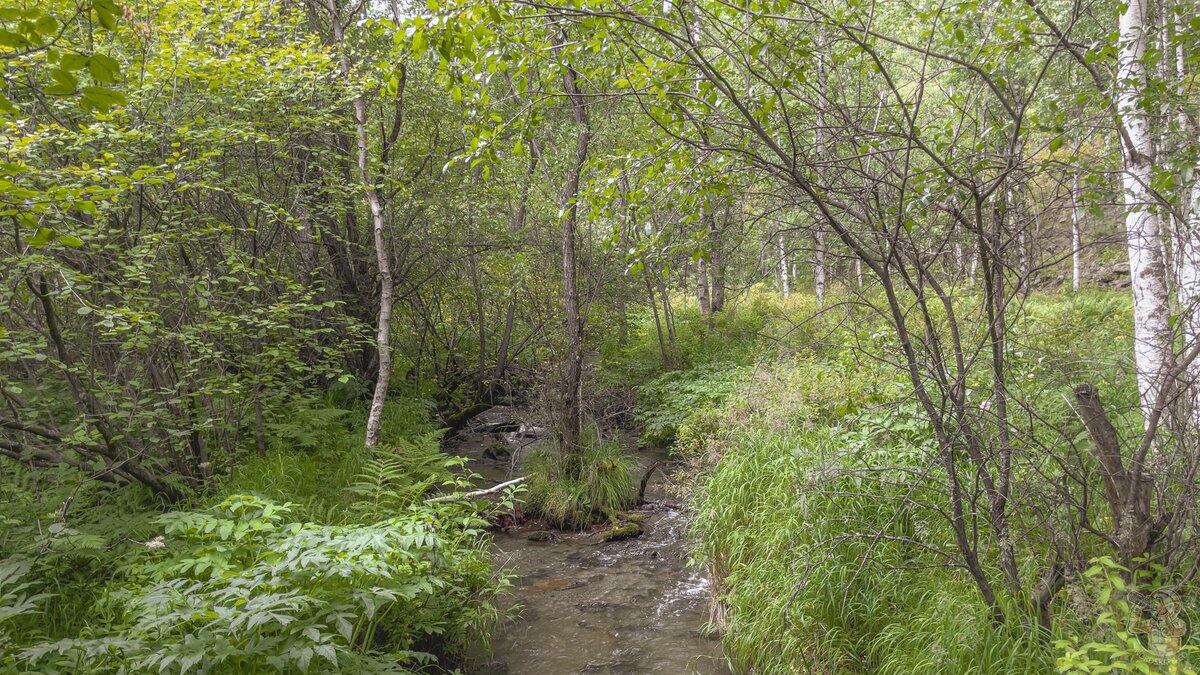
(588, 606)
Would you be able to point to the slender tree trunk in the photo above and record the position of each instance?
(662, 344)
(717, 263)
(819, 266)
(960, 260)
(571, 421)
(375, 205)
(1153, 349)
(702, 287)
(819, 145)
(1187, 257)
(1187, 237)
(784, 282)
(1076, 238)
(480, 316)
(668, 314)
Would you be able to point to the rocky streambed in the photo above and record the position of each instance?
(587, 605)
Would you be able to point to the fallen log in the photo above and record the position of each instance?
(476, 493)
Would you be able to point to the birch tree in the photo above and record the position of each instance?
(374, 200)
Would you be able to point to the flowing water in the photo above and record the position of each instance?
(589, 606)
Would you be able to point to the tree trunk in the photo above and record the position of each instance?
(784, 282)
(1153, 352)
(1131, 523)
(702, 287)
(375, 205)
(819, 146)
(819, 266)
(570, 421)
(1187, 245)
(717, 265)
(1077, 239)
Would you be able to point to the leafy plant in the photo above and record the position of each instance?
(238, 588)
(1138, 627)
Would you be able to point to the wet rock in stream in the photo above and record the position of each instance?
(622, 532)
(586, 605)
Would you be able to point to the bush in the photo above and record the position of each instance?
(238, 588)
(322, 556)
(571, 491)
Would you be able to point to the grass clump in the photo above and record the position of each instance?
(573, 490)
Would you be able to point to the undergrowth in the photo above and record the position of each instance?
(785, 430)
(571, 491)
(320, 556)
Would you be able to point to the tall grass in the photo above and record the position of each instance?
(571, 491)
(794, 517)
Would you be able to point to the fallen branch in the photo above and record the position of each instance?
(476, 493)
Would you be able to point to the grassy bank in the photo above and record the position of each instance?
(818, 509)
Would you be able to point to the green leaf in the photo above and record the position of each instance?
(101, 99)
(59, 89)
(72, 242)
(71, 61)
(103, 68)
(42, 237)
(107, 12)
(14, 40)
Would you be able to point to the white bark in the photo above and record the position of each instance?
(1187, 264)
(784, 282)
(819, 268)
(1187, 233)
(1153, 353)
(1076, 238)
(375, 205)
(819, 146)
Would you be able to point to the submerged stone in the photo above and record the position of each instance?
(622, 532)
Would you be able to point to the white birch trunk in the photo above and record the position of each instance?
(1186, 244)
(1153, 352)
(1187, 260)
(819, 268)
(784, 282)
(375, 205)
(1077, 239)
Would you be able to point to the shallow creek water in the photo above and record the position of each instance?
(588, 606)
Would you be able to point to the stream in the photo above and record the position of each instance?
(587, 606)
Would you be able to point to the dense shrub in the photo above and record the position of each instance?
(574, 490)
(316, 558)
(238, 588)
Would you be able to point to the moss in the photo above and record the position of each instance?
(623, 532)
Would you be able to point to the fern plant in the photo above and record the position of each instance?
(238, 589)
(401, 475)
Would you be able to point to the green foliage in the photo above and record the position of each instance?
(1137, 626)
(238, 587)
(358, 575)
(667, 401)
(400, 474)
(317, 461)
(806, 588)
(807, 513)
(573, 491)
